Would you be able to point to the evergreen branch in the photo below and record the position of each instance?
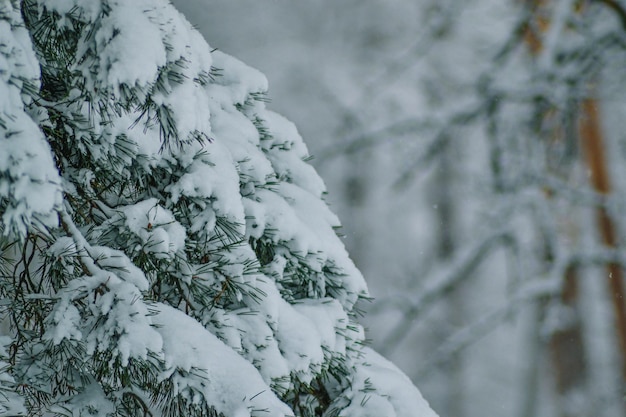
(137, 399)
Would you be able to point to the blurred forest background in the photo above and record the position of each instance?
(475, 151)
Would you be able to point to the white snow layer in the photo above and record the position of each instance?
(379, 388)
(11, 404)
(225, 380)
(29, 181)
(157, 228)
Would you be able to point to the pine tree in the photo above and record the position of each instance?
(165, 248)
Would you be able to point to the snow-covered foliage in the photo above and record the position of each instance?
(29, 181)
(449, 132)
(166, 249)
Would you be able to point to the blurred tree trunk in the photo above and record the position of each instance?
(594, 148)
(357, 189)
(444, 202)
(566, 344)
(568, 352)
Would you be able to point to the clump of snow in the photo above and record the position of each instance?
(330, 321)
(156, 227)
(241, 80)
(64, 323)
(226, 380)
(92, 402)
(211, 176)
(114, 260)
(29, 182)
(240, 136)
(119, 320)
(379, 388)
(89, 8)
(286, 151)
(281, 338)
(11, 403)
(115, 319)
(305, 224)
(124, 56)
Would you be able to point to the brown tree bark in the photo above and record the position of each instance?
(567, 349)
(566, 345)
(593, 145)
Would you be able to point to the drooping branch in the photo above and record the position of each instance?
(617, 8)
